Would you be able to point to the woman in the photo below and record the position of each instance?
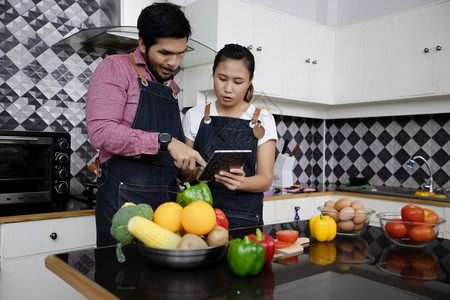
(231, 122)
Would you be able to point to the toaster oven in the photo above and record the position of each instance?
(34, 167)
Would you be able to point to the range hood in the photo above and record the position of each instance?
(124, 38)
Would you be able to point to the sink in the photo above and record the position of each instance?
(393, 191)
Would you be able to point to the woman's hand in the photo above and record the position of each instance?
(232, 180)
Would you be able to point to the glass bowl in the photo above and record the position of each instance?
(410, 263)
(399, 231)
(354, 223)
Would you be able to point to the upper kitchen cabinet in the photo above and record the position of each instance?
(348, 64)
(280, 43)
(308, 55)
(379, 58)
(423, 51)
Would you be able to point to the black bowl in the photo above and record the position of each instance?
(358, 181)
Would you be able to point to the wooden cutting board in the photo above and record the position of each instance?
(294, 249)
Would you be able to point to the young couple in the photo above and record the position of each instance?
(133, 118)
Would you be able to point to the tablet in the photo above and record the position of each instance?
(224, 160)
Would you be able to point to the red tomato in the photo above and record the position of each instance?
(424, 262)
(412, 276)
(396, 230)
(395, 259)
(287, 235)
(221, 219)
(280, 244)
(292, 260)
(412, 213)
(430, 216)
(421, 234)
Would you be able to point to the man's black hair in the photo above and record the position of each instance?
(162, 20)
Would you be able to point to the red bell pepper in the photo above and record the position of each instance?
(221, 219)
(266, 241)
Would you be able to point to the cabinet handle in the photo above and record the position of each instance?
(250, 47)
(314, 62)
(307, 61)
(259, 48)
(426, 50)
(438, 48)
(53, 235)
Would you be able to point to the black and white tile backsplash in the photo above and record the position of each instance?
(43, 89)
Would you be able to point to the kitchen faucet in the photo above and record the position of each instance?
(428, 183)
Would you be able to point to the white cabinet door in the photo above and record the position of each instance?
(415, 42)
(270, 75)
(235, 23)
(379, 58)
(348, 67)
(28, 278)
(47, 236)
(308, 55)
(442, 57)
(321, 74)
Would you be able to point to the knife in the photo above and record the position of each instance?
(295, 149)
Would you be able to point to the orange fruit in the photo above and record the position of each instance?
(198, 218)
(168, 215)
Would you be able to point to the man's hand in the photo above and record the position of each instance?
(185, 157)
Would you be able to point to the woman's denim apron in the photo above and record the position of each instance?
(224, 133)
(150, 179)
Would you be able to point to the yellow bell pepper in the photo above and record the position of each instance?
(322, 253)
(322, 228)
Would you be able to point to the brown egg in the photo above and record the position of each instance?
(347, 213)
(346, 225)
(345, 245)
(345, 257)
(330, 211)
(360, 244)
(357, 204)
(360, 216)
(359, 255)
(329, 203)
(359, 226)
(343, 202)
(343, 267)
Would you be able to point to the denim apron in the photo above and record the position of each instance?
(242, 209)
(150, 179)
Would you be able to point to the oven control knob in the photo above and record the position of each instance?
(61, 187)
(61, 172)
(62, 158)
(63, 145)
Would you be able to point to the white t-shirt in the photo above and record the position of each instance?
(191, 121)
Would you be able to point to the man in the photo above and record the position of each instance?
(133, 118)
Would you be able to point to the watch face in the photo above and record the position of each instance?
(164, 137)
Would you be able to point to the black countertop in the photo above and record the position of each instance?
(135, 279)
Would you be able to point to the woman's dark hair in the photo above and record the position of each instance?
(238, 52)
(162, 20)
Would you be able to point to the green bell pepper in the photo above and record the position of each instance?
(198, 192)
(245, 257)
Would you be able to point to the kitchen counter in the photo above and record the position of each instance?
(78, 206)
(97, 275)
(33, 212)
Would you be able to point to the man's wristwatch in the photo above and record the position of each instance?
(164, 139)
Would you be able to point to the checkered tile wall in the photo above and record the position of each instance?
(375, 148)
(43, 88)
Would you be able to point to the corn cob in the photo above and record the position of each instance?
(151, 234)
